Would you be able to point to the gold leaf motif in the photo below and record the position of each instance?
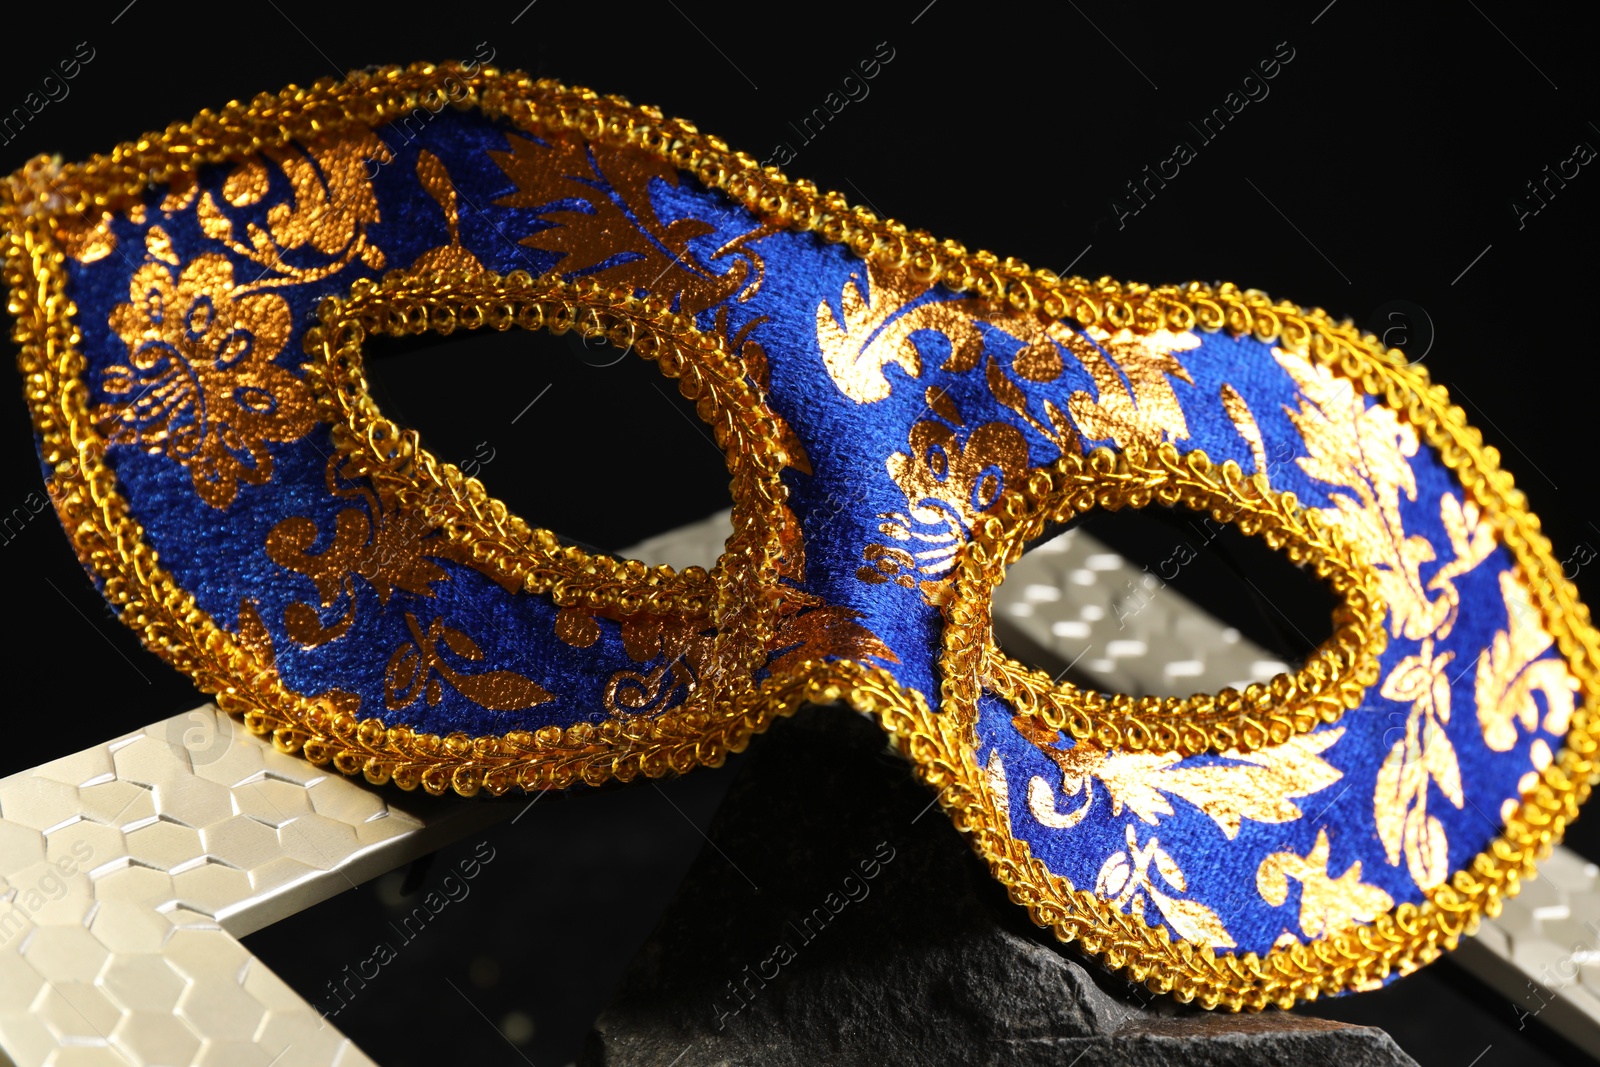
(616, 234)
(1424, 756)
(1146, 410)
(1510, 672)
(1261, 785)
(419, 669)
(1327, 904)
(199, 384)
(1245, 423)
(1427, 848)
(1124, 880)
(392, 548)
(827, 631)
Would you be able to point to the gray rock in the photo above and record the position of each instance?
(836, 917)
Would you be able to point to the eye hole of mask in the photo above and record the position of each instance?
(1263, 710)
(573, 433)
(441, 494)
(1073, 608)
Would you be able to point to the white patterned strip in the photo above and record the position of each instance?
(129, 870)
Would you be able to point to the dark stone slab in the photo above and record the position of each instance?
(836, 917)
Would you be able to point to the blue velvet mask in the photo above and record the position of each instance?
(901, 419)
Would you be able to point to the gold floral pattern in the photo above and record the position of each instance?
(617, 235)
(680, 645)
(332, 204)
(1327, 904)
(879, 314)
(808, 631)
(199, 384)
(1146, 408)
(1125, 881)
(1510, 672)
(1261, 785)
(1365, 451)
(419, 668)
(391, 547)
(950, 476)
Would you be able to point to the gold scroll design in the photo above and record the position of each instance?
(1124, 880)
(680, 647)
(1364, 453)
(332, 203)
(951, 475)
(1327, 904)
(199, 384)
(1134, 400)
(1261, 785)
(616, 236)
(807, 632)
(391, 547)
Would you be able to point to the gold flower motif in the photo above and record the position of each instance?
(1327, 904)
(1124, 879)
(1133, 400)
(199, 384)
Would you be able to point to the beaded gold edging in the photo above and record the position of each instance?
(1334, 678)
(43, 205)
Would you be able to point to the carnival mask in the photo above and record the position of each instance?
(901, 420)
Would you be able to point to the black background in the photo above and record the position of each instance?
(1377, 176)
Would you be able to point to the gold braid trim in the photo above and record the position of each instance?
(941, 748)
